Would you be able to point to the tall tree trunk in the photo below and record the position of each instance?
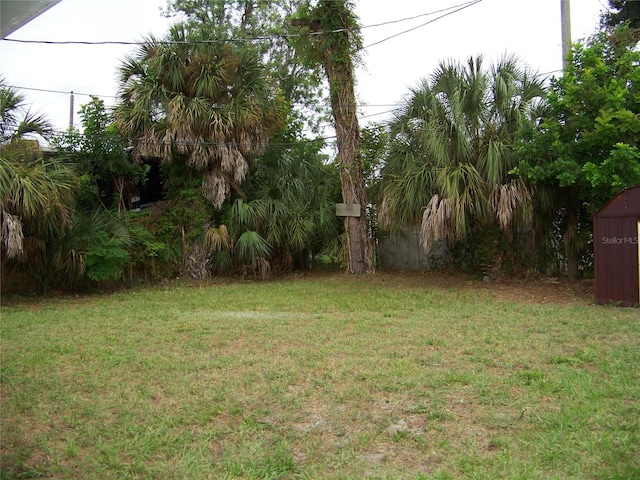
(360, 257)
(572, 252)
(336, 58)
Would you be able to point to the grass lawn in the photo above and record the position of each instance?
(418, 376)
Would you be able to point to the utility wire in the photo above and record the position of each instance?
(61, 133)
(46, 90)
(450, 10)
(252, 39)
(461, 7)
(552, 71)
(458, 8)
(469, 3)
(161, 42)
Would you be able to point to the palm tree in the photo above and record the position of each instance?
(36, 202)
(16, 120)
(290, 219)
(208, 105)
(332, 39)
(451, 151)
(36, 194)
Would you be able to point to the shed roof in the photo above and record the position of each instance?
(624, 204)
(16, 13)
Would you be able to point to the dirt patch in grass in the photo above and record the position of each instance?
(541, 290)
(526, 289)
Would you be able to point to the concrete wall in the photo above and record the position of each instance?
(402, 252)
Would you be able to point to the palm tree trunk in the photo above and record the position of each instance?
(360, 257)
(338, 65)
(334, 51)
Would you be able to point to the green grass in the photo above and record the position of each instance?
(382, 377)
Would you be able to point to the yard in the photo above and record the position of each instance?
(415, 376)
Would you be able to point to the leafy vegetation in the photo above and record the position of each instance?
(585, 150)
(451, 151)
(109, 177)
(622, 12)
(293, 212)
(500, 171)
(56, 229)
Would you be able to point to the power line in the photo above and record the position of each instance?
(161, 42)
(469, 3)
(552, 71)
(462, 7)
(46, 90)
(183, 143)
(253, 39)
(376, 114)
(457, 8)
(449, 11)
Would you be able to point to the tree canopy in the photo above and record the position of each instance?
(264, 26)
(621, 12)
(586, 149)
(208, 105)
(451, 150)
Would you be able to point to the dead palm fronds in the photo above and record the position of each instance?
(507, 201)
(218, 239)
(12, 236)
(36, 200)
(208, 105)
(436, 223)
(452, 142)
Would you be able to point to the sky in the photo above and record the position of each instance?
(530, 29)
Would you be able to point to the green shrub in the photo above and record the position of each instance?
(106, 262)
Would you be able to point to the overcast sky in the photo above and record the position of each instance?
(527, 28)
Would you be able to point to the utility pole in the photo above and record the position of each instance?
(71, 111)
(565, 17)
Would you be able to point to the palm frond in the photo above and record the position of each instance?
(16, 120)
(215, 188)
(251, 247)
(218, 239)
(436, 223)
(33, 123)
(507, 200)
(12, 236)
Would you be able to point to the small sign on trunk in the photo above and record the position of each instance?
(348, 209)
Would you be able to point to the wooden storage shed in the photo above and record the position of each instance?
(616, 249)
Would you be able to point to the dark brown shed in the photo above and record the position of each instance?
(616, 250)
